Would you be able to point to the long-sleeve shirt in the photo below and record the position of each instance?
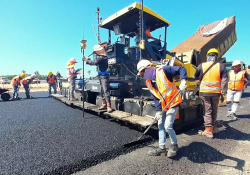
(100, 61)
(223, 76)
(170, 72)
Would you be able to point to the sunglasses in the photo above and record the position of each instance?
(212, 55)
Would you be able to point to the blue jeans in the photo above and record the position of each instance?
(15, 93)
(27, 90)
(165, 124)
(54, 87)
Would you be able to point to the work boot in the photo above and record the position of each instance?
(207, 132)
(109, 109)
(233, 116)
(104, 106)
(157, 152)
(172, 150)
(215, 130)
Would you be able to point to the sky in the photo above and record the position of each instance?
(42, 35)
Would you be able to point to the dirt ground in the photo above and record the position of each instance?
(43, 87)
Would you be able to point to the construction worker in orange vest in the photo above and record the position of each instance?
(162, 87)
(51, 80)
(26, 83)
(236, 83)
(212, 85)
(72, 75)
(16, 83)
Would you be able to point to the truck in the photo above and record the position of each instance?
(131, 100)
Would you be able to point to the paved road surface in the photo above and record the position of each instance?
(45, 136)
(228, 153)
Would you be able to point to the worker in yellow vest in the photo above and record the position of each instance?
(213, 83)
(16, 83)
(236, 83)
(162, 87)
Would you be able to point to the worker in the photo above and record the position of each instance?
(212, 84)
(101, 62)
(16, 83)
(51, 80)
(26, 83)
(72, 75)
(162, 87)
(236, 83)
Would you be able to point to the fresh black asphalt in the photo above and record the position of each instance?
(45, 136)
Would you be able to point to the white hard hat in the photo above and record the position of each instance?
(33, 75)
(236, 62)
(97, 48)
(142, 65)
(73, 60)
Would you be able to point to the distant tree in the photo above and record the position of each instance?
(36, 73)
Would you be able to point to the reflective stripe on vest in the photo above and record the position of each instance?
(166, 90)
(15, 81)
(71, 72)
(51, 79)
(211, 82)
(103, 73)
(236, 81)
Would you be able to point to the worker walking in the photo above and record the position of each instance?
(26, 84)
(101, 62)
(236, 83)
(72, 75)
(16, 83)
(51, 80)
(213, 83)
(162, 87)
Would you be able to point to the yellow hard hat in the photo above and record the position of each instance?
(213, 50)
(50, 73)
(23, 75)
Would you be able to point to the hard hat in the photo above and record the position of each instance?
(236, 62)
(33, 75)
(97, 48)
(23, 75)
(73, 60)
(213, 50)
(50, 73)
(142, 65)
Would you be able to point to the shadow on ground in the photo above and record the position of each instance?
(199, 152)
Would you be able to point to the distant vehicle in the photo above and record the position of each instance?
(36, 80)
(4, 80)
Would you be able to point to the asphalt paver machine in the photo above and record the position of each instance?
(130, 98)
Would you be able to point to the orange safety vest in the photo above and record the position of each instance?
(71, 72)
(26, 81)
(51, 79)
(15, 81)
(211, 82)
(166, 90)
(236, 81)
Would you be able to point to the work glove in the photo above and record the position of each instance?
(245, 85)
(158, 115)
(183, 85)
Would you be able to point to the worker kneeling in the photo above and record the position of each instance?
(236, 85)
(26, 84)
(162, 87)
(51, 80)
